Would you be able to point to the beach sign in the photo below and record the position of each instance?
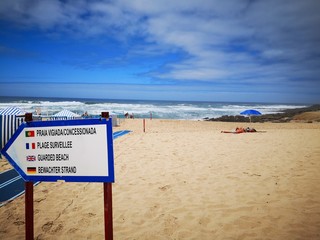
(68, 150)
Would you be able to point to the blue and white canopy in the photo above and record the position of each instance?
(11, 111)
(10, 120)
(65, 114)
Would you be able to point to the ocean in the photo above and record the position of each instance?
(186, 110)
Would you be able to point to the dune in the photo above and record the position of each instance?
(308, 116)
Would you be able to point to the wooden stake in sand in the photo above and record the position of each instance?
(107, 193)
(108, 221)
(29, 199)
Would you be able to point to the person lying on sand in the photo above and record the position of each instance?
(241, 130)
(250, 129)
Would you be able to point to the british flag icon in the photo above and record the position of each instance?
(31, 158)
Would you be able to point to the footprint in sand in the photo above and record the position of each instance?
(58, 228)
(46, 227)
(91, 214)
(165, 188)
(152, 211)
(170, 225)
(84, 221)
(72, 230)
(18, 223)
(39, 200)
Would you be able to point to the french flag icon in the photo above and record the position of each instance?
(30, 145)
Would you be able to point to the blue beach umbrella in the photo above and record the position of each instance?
(250, 112)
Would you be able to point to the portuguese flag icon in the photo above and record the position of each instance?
(29, 133)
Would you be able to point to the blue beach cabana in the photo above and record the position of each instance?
(65, 115)
(10, 119)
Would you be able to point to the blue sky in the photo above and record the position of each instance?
(201, 50)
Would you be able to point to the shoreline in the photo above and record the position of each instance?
(195, 110)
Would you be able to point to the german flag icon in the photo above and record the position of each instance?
(31, 170)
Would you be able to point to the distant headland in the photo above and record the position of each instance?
(305, 114)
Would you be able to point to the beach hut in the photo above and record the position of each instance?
(10, 119)
(65, 115)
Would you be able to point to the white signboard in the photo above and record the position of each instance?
(71, 150)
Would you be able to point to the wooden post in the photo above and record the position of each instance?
(29, 210)
(108, 221)
(144, 125)
(107, 194)
(29, 221)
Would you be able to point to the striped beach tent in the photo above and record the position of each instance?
(10, 119)
(65, 115)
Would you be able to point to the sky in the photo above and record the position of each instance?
(197, 50)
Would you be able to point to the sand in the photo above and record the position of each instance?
(187, 180)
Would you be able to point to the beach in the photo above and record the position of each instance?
(186, 180)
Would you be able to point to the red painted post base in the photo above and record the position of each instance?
(108, 224)
(29, 210)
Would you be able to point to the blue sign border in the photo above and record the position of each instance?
(101, 121)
